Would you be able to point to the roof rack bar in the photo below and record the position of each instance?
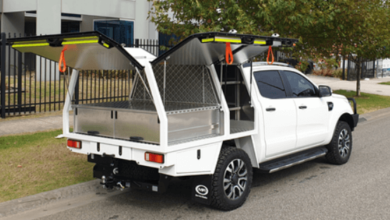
(262, 63)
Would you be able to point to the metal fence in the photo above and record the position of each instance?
(368, 69)
(31, 84)
(383, 73)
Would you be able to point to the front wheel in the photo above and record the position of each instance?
(339, 149)
(232, 180)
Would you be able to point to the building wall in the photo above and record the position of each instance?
(143, 28)
(103, 8)
(48, 17)
(87, 23)
(49, 14)
(12, 23)
(19, 5)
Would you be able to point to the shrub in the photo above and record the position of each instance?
(329, 72)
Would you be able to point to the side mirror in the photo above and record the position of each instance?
(325, 91)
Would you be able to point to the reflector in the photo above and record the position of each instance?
(151, 157)
(74, 144)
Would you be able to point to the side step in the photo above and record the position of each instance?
(291, 160)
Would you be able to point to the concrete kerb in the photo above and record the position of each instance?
(372, 115)
(30, 202)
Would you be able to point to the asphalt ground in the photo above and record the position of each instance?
(314, 190)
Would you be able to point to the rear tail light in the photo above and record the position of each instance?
(151, 157)
(74, 144)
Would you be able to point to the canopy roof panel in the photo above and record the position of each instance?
(82, 51)
(209, 48)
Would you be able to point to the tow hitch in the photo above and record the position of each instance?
(109, 183)
(121, 174)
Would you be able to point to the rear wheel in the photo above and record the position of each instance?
(232, 180)
(339, 149)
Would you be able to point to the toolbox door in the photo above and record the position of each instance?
(211, 48)
(81, 51)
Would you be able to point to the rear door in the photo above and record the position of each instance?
(279, 113)
(312, 111)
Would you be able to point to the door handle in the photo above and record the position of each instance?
(302, 107)
(270, 109)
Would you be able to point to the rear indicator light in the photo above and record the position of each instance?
(74, 144)
(151, 157)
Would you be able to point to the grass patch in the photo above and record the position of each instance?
(36, 163)
(367, 102)
(385, 83)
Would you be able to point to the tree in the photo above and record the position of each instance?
(323, 27)
(361, 32)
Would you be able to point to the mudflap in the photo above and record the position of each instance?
(201, 189)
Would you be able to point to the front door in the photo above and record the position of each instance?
(279, 113)
(312, 111)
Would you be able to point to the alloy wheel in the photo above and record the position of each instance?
(235, 179)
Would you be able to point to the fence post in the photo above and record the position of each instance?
(3, 49)
(348, 68)
(344, 67)
(20, 67)
(136, 42)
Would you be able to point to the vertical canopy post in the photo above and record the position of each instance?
(250, 87)
(220, 81)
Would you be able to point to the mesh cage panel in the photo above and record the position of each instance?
(186, 84)
(187, 87)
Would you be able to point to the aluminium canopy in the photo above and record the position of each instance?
(93, 50)
(210, 48)
(82, 51)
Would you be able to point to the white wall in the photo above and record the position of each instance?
(386, 64)
(104, 8)
(12, 23)
(49, 13)
(48, 17)
(87, 22)
(48, 22)
(19, 5)
(143, 28)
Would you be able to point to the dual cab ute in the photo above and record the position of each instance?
(201, 110)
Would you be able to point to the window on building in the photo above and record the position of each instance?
(70, 27)
(120, 31)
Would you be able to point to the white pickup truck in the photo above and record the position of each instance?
(190, 114)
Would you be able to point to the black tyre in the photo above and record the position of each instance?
(339, 149)
(232, 180)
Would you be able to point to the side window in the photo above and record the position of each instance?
(270, 84)
(300, 86)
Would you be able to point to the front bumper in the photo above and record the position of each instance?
(355, 119)
(355, 115)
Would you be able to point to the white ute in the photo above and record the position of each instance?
(202, 110)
